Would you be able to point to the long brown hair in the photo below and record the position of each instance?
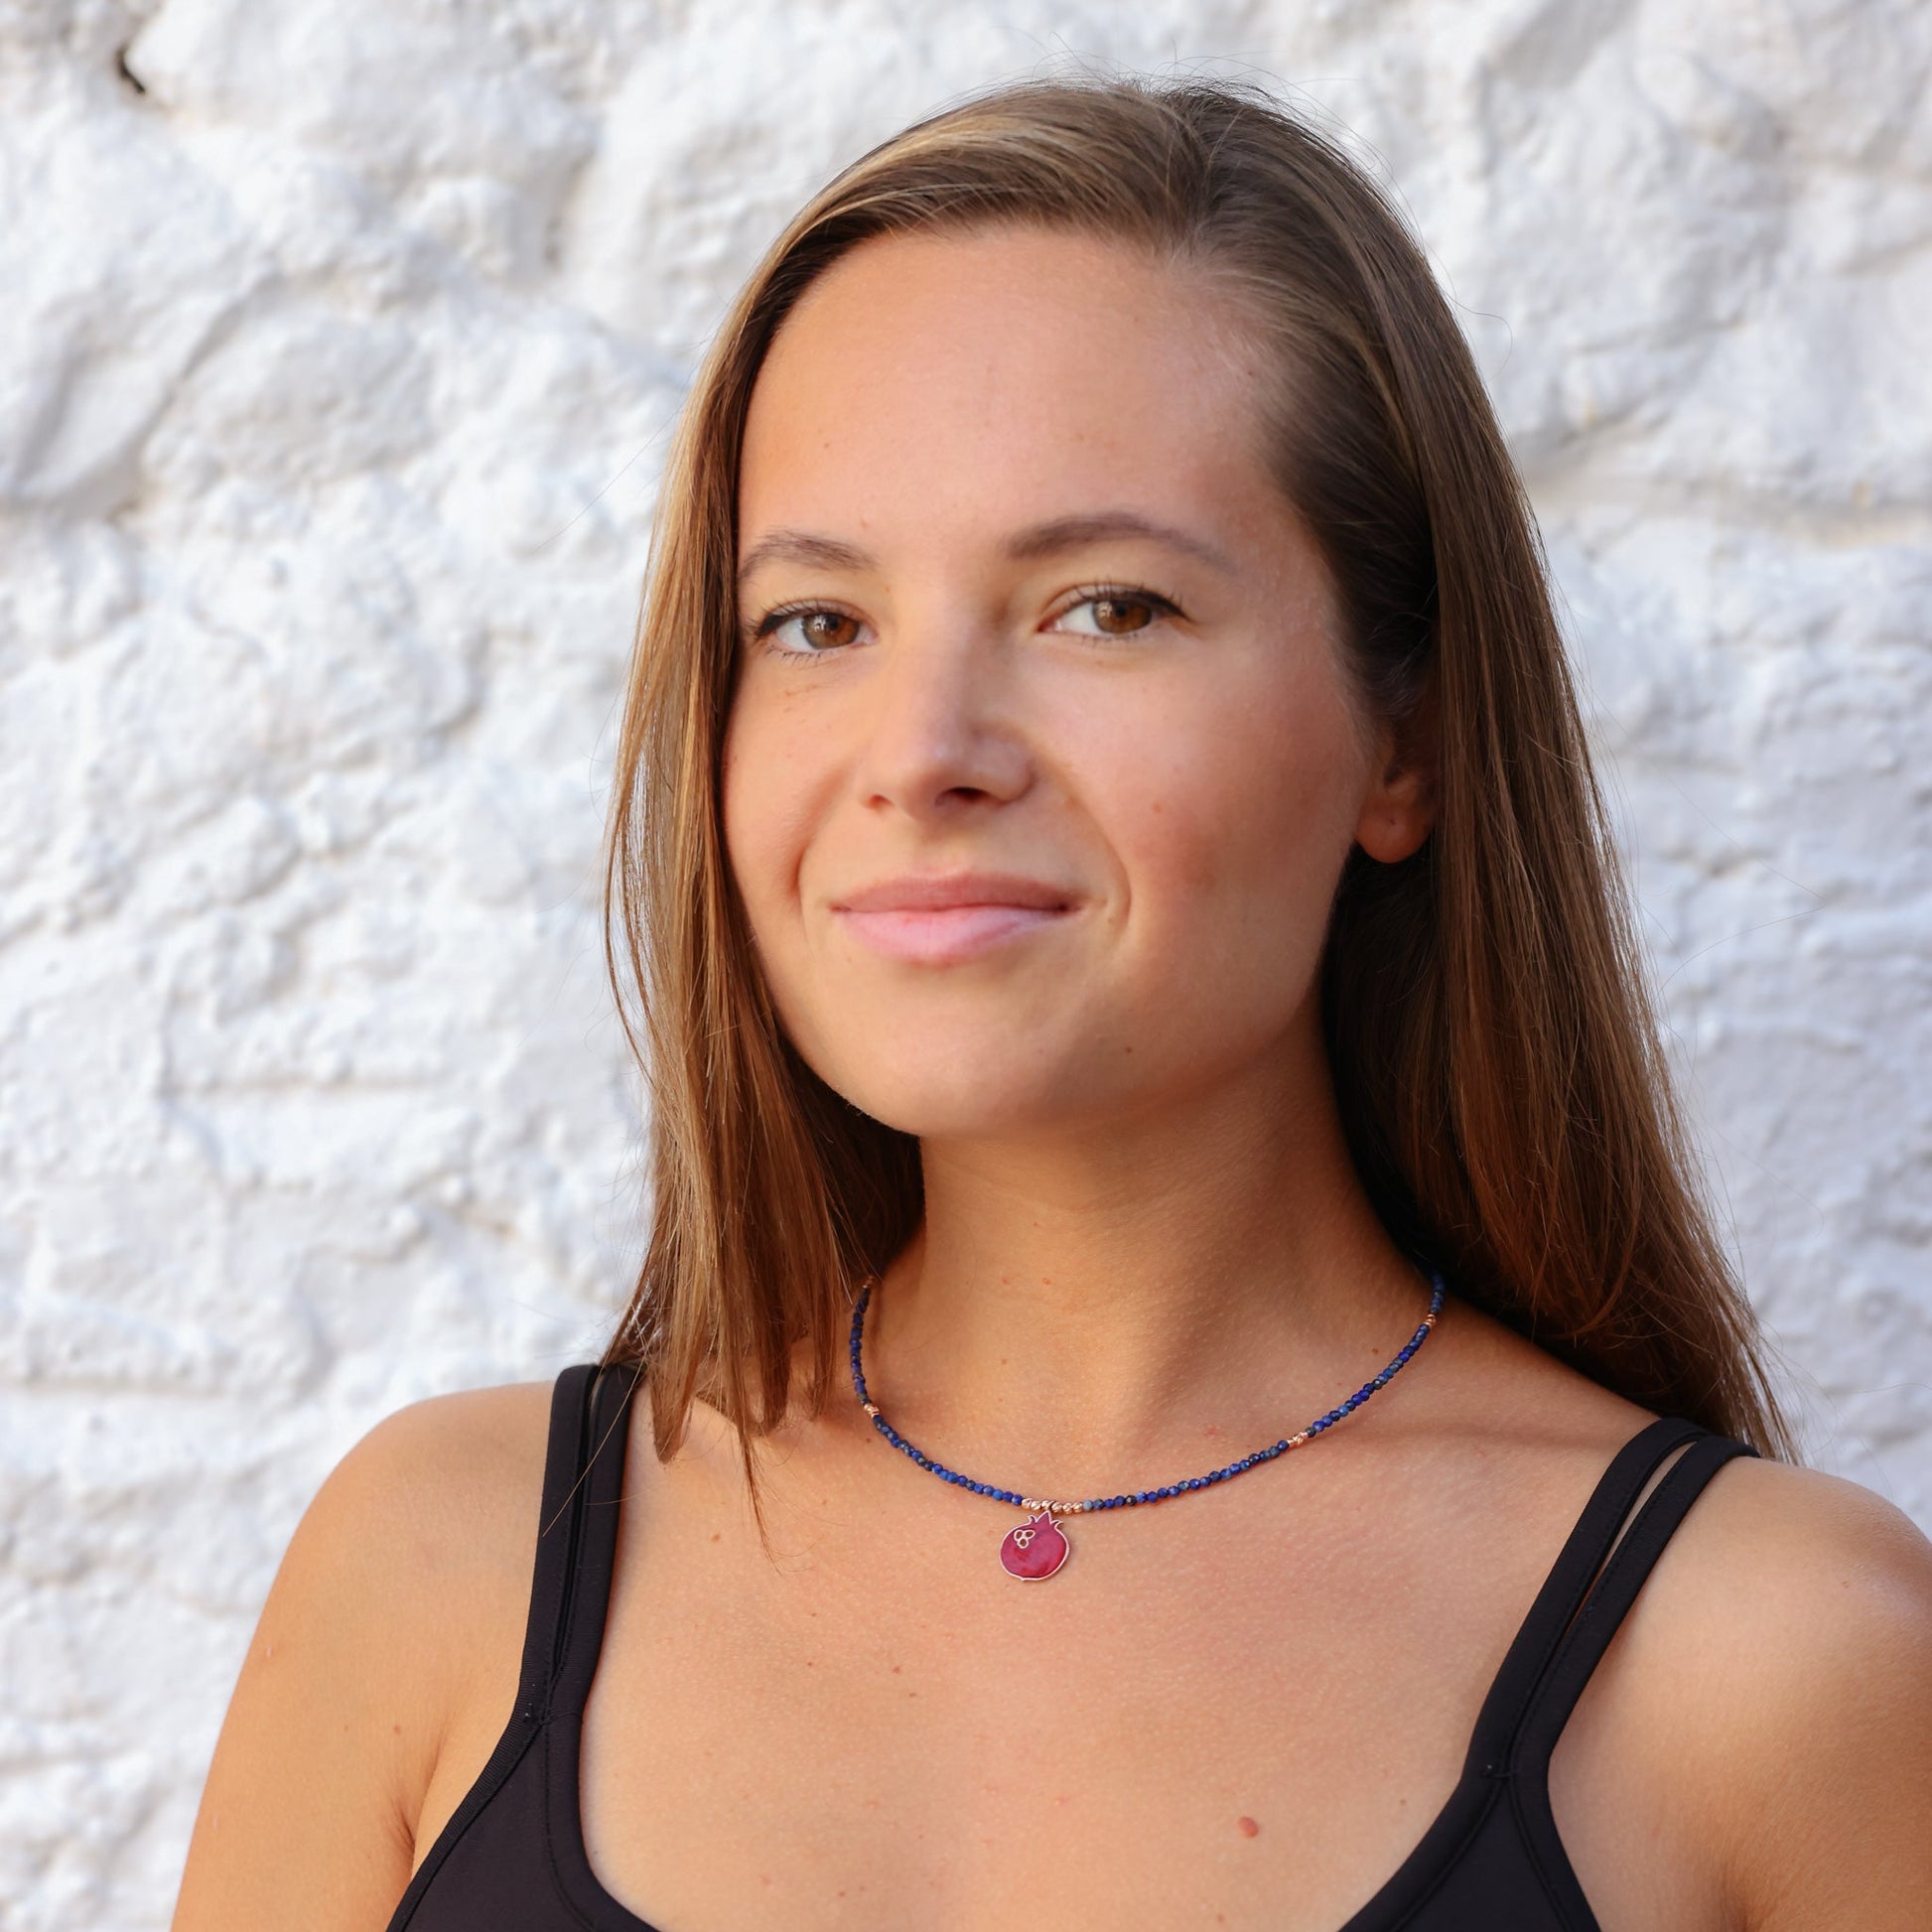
(1493, 1047)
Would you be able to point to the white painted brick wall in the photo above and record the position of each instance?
(337, 345)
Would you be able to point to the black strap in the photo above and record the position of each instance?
(562, 1465)
(1602, 1613)
(1516, 1690)
(577, 1538)
(583, 1479)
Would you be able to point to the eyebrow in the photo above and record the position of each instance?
(1038, 540)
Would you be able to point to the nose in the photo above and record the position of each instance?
(941, 739)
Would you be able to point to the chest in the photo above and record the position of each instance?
(1225, 1713)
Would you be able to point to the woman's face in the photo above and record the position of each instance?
(1042, 766)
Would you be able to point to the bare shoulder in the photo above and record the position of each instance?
(1816, 1580)
(454, 1481)
(415, 1558)
(423, 1525)
(1789, 1632)
(398, 1608)
(1812, 1533)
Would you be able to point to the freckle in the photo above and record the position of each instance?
(395, 1730)
(716, 1536)
(896, 1668)
(1247, 1828)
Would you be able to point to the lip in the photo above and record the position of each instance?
(937, 920)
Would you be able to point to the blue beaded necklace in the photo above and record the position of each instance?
(1033, 1550)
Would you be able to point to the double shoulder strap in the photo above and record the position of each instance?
(1570, 1623)
(577, 1541)
(583, 1485)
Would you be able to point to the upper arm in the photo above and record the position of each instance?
(398, 1603)
(1824, 1787)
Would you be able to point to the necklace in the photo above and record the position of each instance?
(1033, 1550)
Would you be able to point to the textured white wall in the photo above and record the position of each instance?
(337, 343)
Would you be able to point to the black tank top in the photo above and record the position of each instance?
(512, 1858)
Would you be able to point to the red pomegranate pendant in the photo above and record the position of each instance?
(1035, 1550)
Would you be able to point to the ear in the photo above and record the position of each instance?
(1398, 807)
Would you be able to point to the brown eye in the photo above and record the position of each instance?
(1112, 614)
(805, 633)
(824, 628)
(1119, 614)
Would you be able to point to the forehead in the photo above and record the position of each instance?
(997, 377)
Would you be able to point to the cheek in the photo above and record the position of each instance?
(763, 791)
(1235, 834)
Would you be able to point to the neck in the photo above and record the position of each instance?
(1085, 1306)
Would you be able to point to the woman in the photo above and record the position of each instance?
(1129, 960)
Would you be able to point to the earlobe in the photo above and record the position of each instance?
(1398, 814)
(1395, 822)
(1400, 806)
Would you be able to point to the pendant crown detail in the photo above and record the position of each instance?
(1035, 1550)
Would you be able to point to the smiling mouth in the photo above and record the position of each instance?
(940, 921)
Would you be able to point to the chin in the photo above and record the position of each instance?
(994, 1093)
